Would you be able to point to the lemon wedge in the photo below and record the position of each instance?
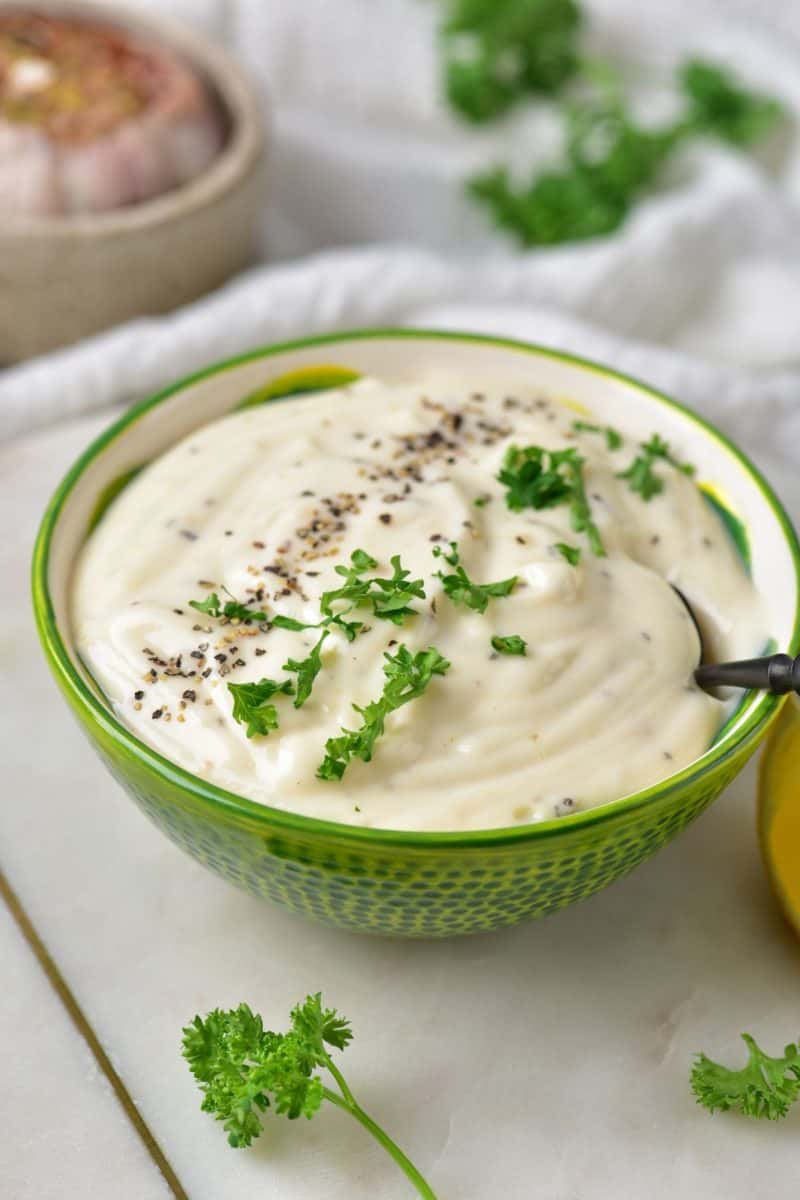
(779, 810)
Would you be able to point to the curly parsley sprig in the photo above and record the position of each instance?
(243, 1069)
(766, 1087)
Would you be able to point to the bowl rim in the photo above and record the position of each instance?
(238, 157)
(231, 806)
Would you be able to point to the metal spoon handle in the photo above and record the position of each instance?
(778, 673)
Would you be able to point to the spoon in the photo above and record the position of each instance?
(776, 673)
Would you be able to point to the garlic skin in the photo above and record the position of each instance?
(93, 119)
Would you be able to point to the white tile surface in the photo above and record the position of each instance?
(64, 1133)
(551, 1060)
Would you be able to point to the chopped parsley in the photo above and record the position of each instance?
(640, 475)
(212, 606)
(390, 598)
(613, 438)
(252, 704)
(571, 553)
(513, 644)
(407, 677)
(461, 589)
(539, 478)
(481, 501)
(535, 477)
(307, 670)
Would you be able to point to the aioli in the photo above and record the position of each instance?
(268, 501)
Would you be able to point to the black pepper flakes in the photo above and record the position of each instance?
(385, 518)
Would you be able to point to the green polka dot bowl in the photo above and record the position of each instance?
(384, 881)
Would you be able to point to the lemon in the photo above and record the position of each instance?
(779, 810)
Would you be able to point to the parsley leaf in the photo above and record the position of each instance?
(497, 51)
(571, 553)
(513, 644)
(613, 438)
(212, 606)
(243, 1069)
(534, 477)
(765, 1087)
(390, 598)
(252, 707)
(539, 478)
(717, 105)
(640, 475)
(307, 670)
(407, 677)
(460, 588)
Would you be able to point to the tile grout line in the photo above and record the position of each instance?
(79, 1020)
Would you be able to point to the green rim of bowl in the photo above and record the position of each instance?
(229, 805)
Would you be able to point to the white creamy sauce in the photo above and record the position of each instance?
(268, 501)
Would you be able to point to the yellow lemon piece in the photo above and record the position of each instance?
(779, 810)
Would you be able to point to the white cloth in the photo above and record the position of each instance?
(699, 292)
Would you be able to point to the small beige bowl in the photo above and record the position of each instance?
(63, 278)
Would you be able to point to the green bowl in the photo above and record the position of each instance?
(381, 881)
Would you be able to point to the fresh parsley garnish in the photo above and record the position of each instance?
(212, 606)
(513, 644)
(717, 105)
(610, 160)
(497, 51)
(243, 1069)
(350, 629)
(535, 477)
(613, 437)
(407, 677)
(640, 475)
(571, 553)
(307, 670)
(252, 704)
(538, 478)
(282, 622)
(766, 1087)
(390, 598)
(461, 589)
(481, 501)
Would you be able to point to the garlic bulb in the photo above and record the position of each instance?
(93, 118)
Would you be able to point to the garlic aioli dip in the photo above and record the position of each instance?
(267, 502)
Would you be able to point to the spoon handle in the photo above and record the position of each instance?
(778, 673)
